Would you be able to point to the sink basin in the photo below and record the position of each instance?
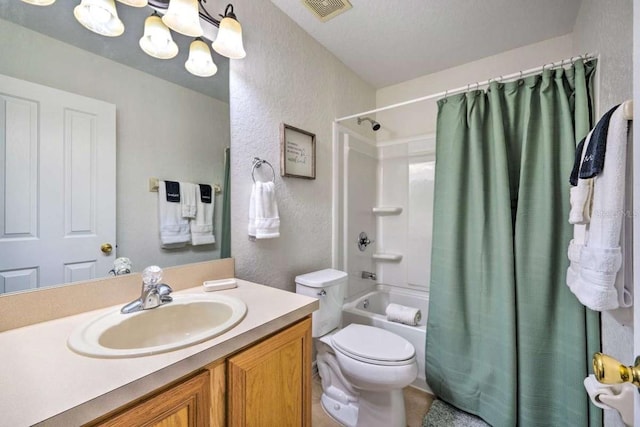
(188, 320)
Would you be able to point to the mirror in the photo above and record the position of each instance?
(169, 124)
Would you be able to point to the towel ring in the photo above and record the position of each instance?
(258, 162)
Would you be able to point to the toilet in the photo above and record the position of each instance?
(363, 368)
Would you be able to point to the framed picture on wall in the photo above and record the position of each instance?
(297, 152)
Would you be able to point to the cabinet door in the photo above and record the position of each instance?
(270, 383)
(182, 405)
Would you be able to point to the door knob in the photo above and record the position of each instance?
(106, 248)
(608, 370)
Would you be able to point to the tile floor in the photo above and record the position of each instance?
(417, 403)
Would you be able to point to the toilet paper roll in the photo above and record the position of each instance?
(612, 396)
(403, 314)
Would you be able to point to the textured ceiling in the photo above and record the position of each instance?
(391, 41)
(57, 21)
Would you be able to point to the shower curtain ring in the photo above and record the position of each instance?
(477, 86)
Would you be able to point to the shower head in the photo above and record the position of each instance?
(374, 125)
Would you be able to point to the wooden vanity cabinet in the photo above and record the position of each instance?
(266, 384)
(269, 383)
(184, 404)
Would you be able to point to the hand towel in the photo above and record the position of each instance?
(581, 195)
(601, 255)
(252, 213)
(202, 225)
(573, 179)
(612, 396)
(188, 199)
(174, 229)
(403, 314)
(264, 220)
(593, 160)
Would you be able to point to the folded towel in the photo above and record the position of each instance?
(593, 161)
(612, 396)
(574, 253)
(202, 225)
(188, 199)
(403, 314)
(174, 229)
(264, 220)
(594, 286)
(581, 195)
(601, 256)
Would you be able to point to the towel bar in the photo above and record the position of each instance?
(154, 182)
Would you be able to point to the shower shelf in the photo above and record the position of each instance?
(387, 257)
(387, 210)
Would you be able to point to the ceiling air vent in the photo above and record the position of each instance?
(327, 9)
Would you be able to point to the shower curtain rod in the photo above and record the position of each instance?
(476, 85)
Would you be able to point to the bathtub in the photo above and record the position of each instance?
(369, 309)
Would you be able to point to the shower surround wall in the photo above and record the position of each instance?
(359, 170)
(405, 180)
(397, 176)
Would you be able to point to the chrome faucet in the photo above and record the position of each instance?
(153, 293)
(369, 275)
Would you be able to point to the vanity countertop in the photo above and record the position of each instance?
(45, 383)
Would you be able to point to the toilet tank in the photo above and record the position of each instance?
(330, 287)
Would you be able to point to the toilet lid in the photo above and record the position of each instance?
(375, 344)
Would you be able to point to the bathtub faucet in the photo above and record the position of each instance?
(368, 275)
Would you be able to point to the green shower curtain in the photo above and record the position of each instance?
(225, 244)
(506, 339)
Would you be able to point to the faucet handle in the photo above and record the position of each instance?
(164, 292)
(151, 275)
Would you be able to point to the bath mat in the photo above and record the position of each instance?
(441, 414)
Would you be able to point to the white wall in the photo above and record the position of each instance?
(420, 118)
(163, 130)
(286, 77)
(606, 27)
(636, 183)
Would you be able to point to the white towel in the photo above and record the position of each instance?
(174, 229)
(188, 199)
(612, 396)
(202, 224)
(600, 256)
(264, 221)
(403, 314)
(581, 196)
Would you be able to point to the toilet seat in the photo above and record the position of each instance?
(373, 345)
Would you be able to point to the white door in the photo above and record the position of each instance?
(57, 186)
